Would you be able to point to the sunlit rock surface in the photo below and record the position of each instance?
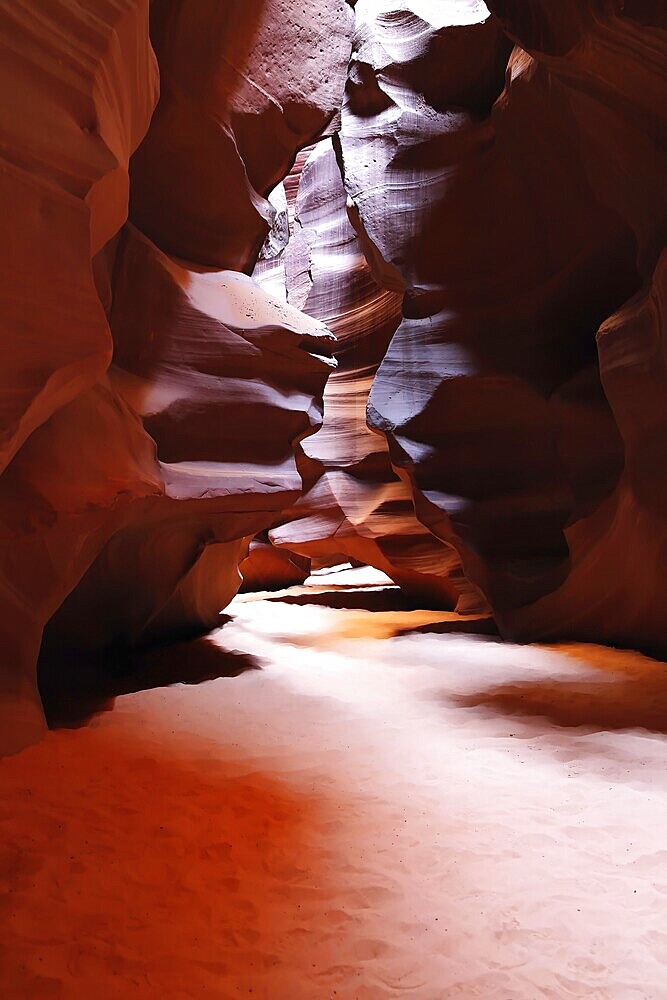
(522, 209)
(243, 87)
(225, 379)
(492, 268)
(354, 504)
(130, 492)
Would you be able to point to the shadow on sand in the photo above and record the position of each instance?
(74, 686)
(386, 599)
(356, 599)
(630, 694)
(457, 626)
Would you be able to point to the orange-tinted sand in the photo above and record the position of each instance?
(376, 812)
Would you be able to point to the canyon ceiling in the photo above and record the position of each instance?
(382, 281)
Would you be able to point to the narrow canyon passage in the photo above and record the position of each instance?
(377, 805)
(333, 499)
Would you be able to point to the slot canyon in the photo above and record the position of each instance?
(333, 480)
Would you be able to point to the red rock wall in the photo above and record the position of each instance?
(129, 490)
(243, 86)
(225, 379)
(494, 270)
(80, 85)
(266, 567)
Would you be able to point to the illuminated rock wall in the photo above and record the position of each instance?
(129, 489)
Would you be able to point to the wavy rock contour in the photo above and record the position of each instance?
(522, 209)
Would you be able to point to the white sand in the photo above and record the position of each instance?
(424, 815)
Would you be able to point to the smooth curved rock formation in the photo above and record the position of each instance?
(225, 379)
(77, 479)
(82, 84)
(521, 213)
(618, 553)
(354, 505)
(266, 567)
(243, 87)
(81, 88)
(129, 493)
(493, 267)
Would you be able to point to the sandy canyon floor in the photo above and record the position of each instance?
(365, 803)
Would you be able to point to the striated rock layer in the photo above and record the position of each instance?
(223, 364)
(129, 491)
(493, 269)
(354, 505)
(243, 86)
(75, 459)
(266, 567)
(523, 207)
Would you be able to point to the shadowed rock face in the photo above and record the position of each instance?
(81, 85)
(266, 567)
(522, 213)
(130, 489)
(493, 268)
(614, 589)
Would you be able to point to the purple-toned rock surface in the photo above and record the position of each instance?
(522, 209)
(480, 218)
(354, 506)
(243, 87)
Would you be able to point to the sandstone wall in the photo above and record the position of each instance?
(152, 397)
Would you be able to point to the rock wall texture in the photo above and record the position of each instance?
(266, 567)
(474, 204)
(520, 194)
(150, 408)
(75, 460)
(354, 505)
(243, 86)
